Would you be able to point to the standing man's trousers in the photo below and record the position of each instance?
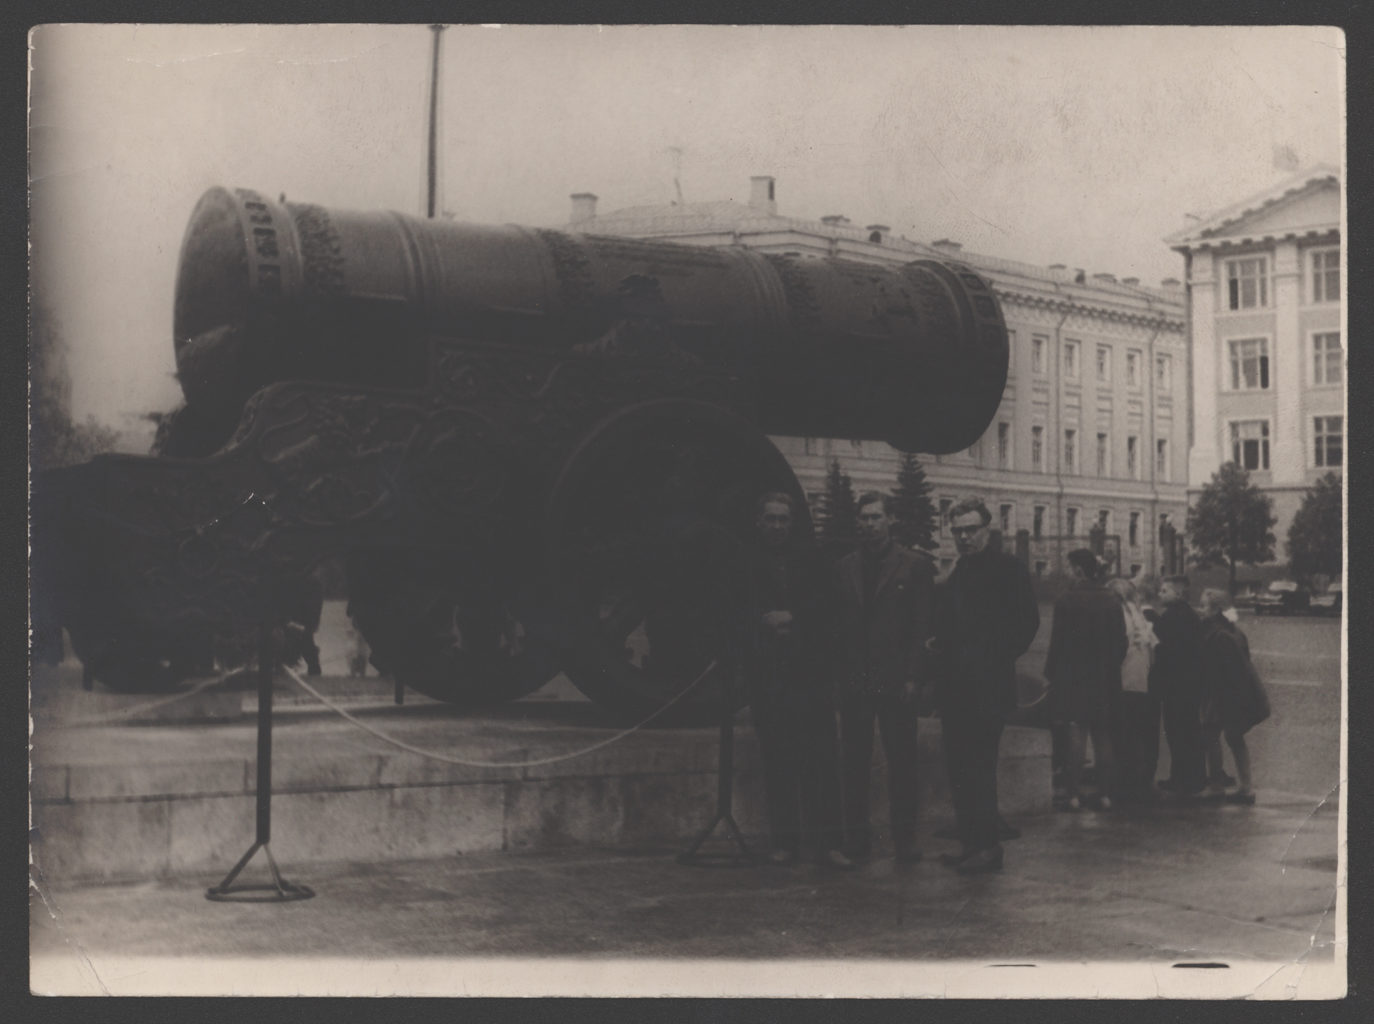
(970, 740)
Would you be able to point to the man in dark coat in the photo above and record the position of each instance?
(885, 611)
(986, 617)
(788, 658)
(1087, 645)
(1176, 679)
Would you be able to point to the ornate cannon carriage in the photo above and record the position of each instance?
(535, 451)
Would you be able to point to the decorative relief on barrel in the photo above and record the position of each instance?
(801, 298)
(321, 252)
(264, 253)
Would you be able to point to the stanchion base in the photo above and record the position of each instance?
(741, 858)
(279, 890)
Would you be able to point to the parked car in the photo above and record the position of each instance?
(1329, 601)
(1282, 597)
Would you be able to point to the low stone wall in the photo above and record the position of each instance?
(125, 802)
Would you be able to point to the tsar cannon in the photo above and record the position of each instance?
(534, 450)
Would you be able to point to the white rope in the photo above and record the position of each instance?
(137, 709)
(450, 759)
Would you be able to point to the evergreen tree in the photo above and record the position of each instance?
(913, 511)
(1231, 522)
(1315, 544)
(838, 514)
(54, 439)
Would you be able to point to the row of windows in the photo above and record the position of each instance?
(1135, 361)
(1250, 443)
(1073, 521)
(1102, 451)
(1247, 280)
(1249, 361)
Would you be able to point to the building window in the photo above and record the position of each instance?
(1250, 444)
(1162, 460)
(1038, 449)
(1133, 457)
(1071, 360)
(1326, 275)
(1038, 521)
(1004, 446)
(1040, 568)
(1249, 364)
(1006, 520)
(1133, 532)
(1135, 569)
(857, 445)
(1070, 450)
(1071, 522)
(1327, 432)
(1104, 456)
(1038, 342)
(1104, 520)
(812, 445)
(1247, 283)
(1104, 364)
(945, 505)
(1164, 373)
(975, 451)
(1326, 357)
(1133, 368)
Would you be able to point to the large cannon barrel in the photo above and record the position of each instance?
(915, 355)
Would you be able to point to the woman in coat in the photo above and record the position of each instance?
(1137, 732)
(1087, 643)
(1233, 699)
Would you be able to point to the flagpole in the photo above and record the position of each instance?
(433, 154)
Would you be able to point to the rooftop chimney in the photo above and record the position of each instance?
(583, 207)
(946, 243)
(1171, 282)
(835, 220)
(761, 193)
(1105, 277)
(878, 233)
(1130, 280)
(1059, 266)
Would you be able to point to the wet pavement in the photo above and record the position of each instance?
(1143, 889)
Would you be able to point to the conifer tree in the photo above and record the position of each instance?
(913, 511)
(838, 514)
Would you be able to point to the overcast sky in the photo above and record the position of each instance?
(1082, 146)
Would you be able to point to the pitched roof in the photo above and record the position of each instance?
(1221, 220)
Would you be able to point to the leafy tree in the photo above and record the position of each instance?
(912, 509)
(1231, 522)
(1314, 539)
(54, 439)
(838, 514)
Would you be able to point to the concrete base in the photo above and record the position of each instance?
(123, 801)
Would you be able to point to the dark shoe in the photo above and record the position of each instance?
(782, 858)
(953, 860)
(908, 855)
(1248, 799)
(981, 863)
(1005, 831)
(835, 859)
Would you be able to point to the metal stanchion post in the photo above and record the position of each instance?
(724, 799)
(279, 890)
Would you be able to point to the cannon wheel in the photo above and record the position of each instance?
(647, 529)
(463, 644)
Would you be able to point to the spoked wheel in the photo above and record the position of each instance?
(648, 527)
(434, 631)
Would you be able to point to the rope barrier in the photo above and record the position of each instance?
(123, 713)
(450, 759)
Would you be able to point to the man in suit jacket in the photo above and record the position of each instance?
(986, 617)
(788, 657)
(885, 615)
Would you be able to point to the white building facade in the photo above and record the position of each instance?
(1092, 427)
(1267, 347)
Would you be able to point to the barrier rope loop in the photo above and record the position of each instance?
(137, 709)
(450, 759)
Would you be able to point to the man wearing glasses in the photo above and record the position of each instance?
(986, 617)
